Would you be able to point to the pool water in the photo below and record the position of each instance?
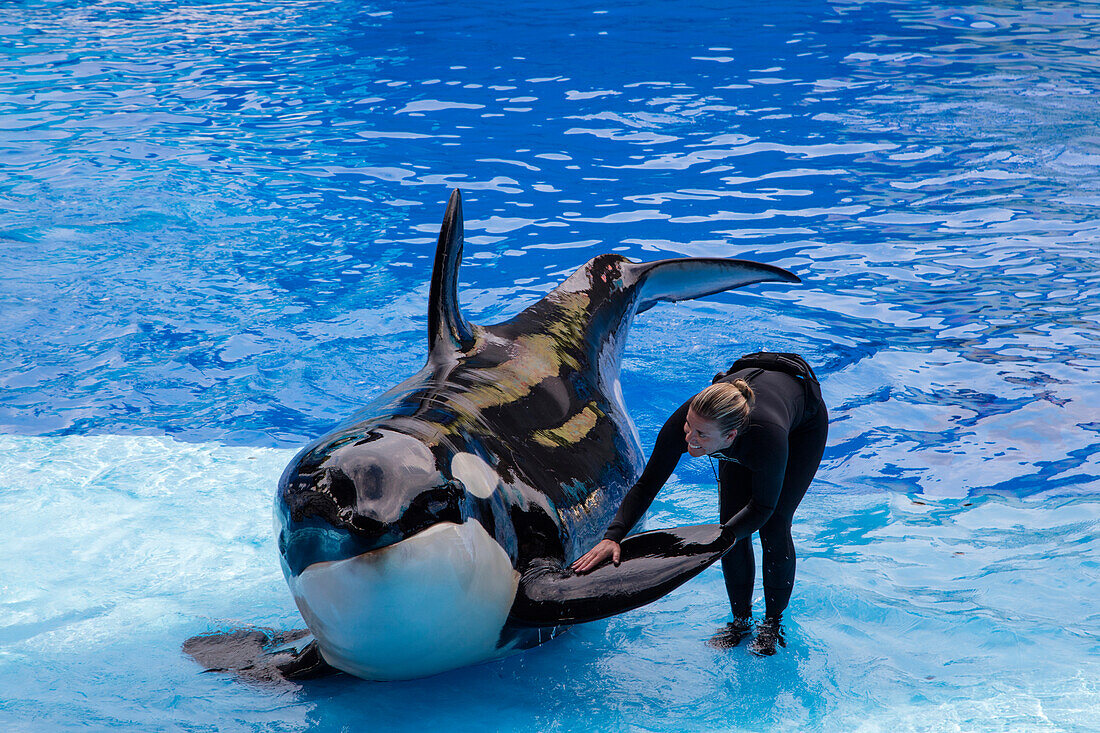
(218, 222)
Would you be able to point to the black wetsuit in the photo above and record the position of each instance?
(762, 478)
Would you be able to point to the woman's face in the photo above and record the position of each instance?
(704, 436)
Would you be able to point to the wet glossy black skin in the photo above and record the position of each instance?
(549, 505)
(560, 487)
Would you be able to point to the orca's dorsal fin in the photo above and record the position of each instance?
(694, 277)
(448, 330)
(653, 564)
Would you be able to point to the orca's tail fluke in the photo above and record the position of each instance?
(448, 330)
(652, 564)
(693, 277)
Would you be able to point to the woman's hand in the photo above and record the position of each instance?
(597, 556)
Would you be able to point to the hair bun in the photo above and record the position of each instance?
(745, 390)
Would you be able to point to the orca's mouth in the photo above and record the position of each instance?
(315, 529)
(313, 540)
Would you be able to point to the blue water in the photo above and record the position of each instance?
(217, 221)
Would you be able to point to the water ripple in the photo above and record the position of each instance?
(236, 207)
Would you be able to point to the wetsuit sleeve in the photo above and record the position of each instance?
(764, 452)
(670, 445)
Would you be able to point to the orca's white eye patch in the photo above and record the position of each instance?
(476, 475)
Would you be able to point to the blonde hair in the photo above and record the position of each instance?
(726, 403)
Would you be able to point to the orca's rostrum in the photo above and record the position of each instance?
(435, 528)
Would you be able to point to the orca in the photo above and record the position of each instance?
(435, 527)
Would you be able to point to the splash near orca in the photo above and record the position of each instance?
(434, 529)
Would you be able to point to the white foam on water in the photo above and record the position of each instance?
(152, 516)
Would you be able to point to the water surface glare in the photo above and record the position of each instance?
(218, 221)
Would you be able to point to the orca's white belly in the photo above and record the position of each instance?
(430, 603)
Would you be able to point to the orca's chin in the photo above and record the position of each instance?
(432, 602)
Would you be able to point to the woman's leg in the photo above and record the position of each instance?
(739, 564)
(807, 444)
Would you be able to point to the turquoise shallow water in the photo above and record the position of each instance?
(218, 222)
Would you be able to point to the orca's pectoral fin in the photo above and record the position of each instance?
(259, 655)
(652, 564)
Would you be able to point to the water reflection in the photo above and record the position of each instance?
(232, 208)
